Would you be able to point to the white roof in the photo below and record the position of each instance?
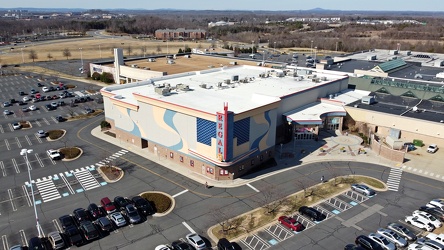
(241, 97)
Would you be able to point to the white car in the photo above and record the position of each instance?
(118, 219)
(382, 241)
(428, 217)
(196, 241)
(420, 223)
(393, 237)
(32, 107)
(162, 247)
(53, 154)
(425, 244)
(16, 126)
(7, 112)
(432, 148)
(41, 134)
(438, 203)
(436, 237)
(25, 98)
(45, 89)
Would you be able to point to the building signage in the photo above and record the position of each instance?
(221, 133)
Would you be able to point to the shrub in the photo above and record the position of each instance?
(105, 124)
(70, 153)
(161, 202)
(107, 77)
(55, 134)
(95, 76)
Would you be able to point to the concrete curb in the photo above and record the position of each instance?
(173, 203)
(64, 133)
(122, 173)
(75, 158)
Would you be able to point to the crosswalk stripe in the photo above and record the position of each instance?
(87, 180)
(394, 179)
(47, 190)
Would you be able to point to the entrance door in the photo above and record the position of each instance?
(203, 169)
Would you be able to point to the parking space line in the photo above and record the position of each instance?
(2, 166)
(182, 192)
(1, 129)
(71, 190)
(11, 197)
(23, 238)
(28, 199)
(38, 123)
(7, 144)
(38, 138)
(28, 140)
(255, 189)
(56, 224)
(18, 142)
(16, 166)
(39, 160)
(10, 127)
(5, 242)
(46, 121)
(188, 227)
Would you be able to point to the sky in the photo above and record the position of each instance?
(407, 5)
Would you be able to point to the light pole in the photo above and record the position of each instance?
(81, 59)
(24, 152)
(274, 51)
(263, 58)
(23, 58)
(252, 47)
(316, 51)
(311, 48)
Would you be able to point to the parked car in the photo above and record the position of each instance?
(224, 244)
(54, 104)
(382, 241)
(132, 214)
(74, 236)
(367, 243)
(16, 126)
(32, 107)
(6, 104)
(25, 109)
(80, 215)
(49, 107)
(196, 241)
(393, 237)
(143, 205)
(54, 154)
(420, 223)
(428, 217)
(35, 243)
(104, 223)
(353, 247)
(16, 247)
(438, 213)
(56, 240)
(95, 211)
(426, 244)
(311, 213)
(41, 134)
(25, 98)
(33, 91)
(21, 103)
(45, 89)
(438, 203)
(162, 247)
(432, 148)
(180, 245)
(21, 93)
(291, 223)
(121, 202)
(7, 112)
(59, 118)
(108, 205)
(40, 85)
(363, 189)
(118, 219)
(402, 231)
(66, 221)
(436, 237)
(89, 230)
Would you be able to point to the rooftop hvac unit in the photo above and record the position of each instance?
(315, 79)
(235, 78)
(118, 96)
(227, 81)
(203, 85)
(183, 87)
(162, 91)
(323, 78)
(219, 84)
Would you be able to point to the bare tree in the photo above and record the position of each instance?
(33, 55)
(224, 218)
(129, 50)
(305, 184)
(67, 53)
(271, 198)
(143, 50)
(49, 56)
(158, 49)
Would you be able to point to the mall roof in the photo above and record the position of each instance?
(210, 89)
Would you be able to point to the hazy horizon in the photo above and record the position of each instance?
(344, 5)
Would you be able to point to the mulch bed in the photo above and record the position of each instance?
(111, 173)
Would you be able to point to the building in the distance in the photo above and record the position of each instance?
(180, 34)
(223, 122)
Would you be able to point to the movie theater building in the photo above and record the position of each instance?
(224, 122)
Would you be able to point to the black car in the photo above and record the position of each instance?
(104, 223)
(224, 244)
(438, 213)
(121, 202)
(21, 103)
(66, 221)
(74, 235)
(60, 118)
(180, 245)
(49, 107)
(402, 231)
(143, 205)
(95, 211)
(367, 243)
(80, 215)
(35, 243)
(89, 230)
(311, 213)
(21, 93)
(40, 85)
(353, 247)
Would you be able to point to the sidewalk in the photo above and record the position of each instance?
(288, 156)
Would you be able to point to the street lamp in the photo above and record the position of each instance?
(81, 59)
(24, 152)
(252, 47)
(23, 58)
(316, 51)
(311, 48)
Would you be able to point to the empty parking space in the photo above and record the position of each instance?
(254, 242)
(279, 232)
(355, 196)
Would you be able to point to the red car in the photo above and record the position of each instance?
(108, 205)
(291, 223)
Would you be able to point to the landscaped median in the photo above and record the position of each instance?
(234, 228)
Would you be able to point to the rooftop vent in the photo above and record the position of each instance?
(118, 96)
(183, 87)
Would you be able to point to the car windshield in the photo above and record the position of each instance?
(120, 219)
(395, 236)
(200, 242)
(385, 241)
(404, 230)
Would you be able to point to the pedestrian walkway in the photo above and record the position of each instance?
(394, 179)
(86, 179)
(47, 189)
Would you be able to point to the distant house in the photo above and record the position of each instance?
(180, 34)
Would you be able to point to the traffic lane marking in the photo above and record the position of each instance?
(255, 189)
(188, 227)
(182, 192)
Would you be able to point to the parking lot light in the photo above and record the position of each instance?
(24, 152)
(81, 59)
